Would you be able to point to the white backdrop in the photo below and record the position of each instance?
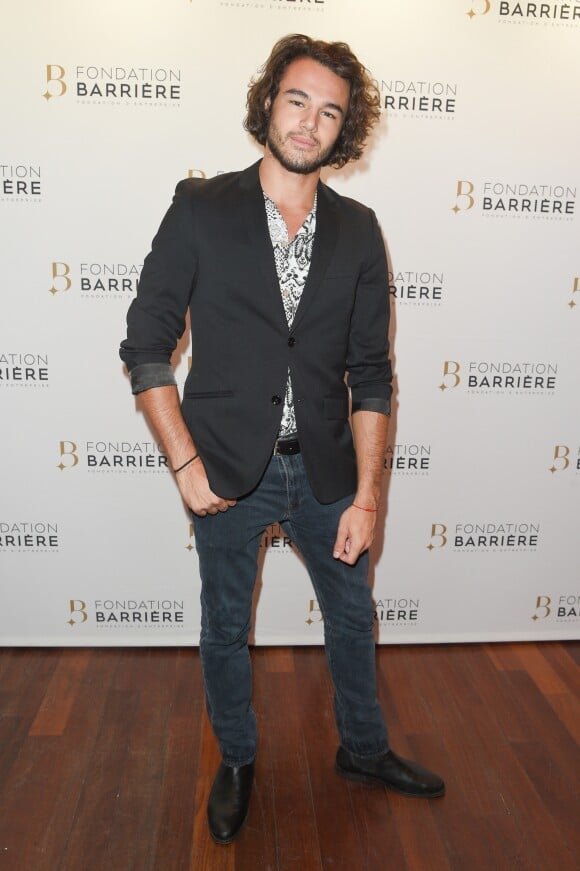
(474, 176)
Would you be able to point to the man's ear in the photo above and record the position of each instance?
(267, 104)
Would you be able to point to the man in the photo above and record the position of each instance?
(287, 287)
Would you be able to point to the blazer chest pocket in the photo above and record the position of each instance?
(336, 407)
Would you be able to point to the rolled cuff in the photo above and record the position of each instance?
(144, 376)
(382, 406)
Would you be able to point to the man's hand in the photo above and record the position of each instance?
(356, 528)
(196, 493)
(162, 407)
(356, 531)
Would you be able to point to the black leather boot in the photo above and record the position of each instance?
(400, 775)
(228, 803)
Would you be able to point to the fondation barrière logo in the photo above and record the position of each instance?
(286, 5)
(562, 607)
(126, 613)
(416, 287)
(23, 369)
(37, 536)
(20, 183)
(523, 200)
(407, 459)
(418, 98)
(564, 459)
(486, 536)
(120, 456)
(92, 280)
(114, 85)
(501, 377)
(557, 12)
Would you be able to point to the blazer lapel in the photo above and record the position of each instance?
(324, 244)
(260, 245)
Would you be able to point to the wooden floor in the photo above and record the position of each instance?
(106, 760)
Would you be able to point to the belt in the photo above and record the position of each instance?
(286, 447)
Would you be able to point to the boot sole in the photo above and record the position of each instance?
(370, 778)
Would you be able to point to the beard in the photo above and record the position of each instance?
(295, 161)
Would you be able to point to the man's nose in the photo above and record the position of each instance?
(308, 120)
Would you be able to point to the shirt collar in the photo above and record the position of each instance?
(277, 224)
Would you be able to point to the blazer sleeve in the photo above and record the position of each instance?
(156, 317)
(368, 363)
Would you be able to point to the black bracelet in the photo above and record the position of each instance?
(195, 456)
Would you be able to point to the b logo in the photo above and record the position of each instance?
(450, 370)
(438, 531)
(575, 289)
(463, 193)
(55, 83)
(60, 271)
(486, 7)
(191, 545)
(314, 610)
(67, 449)
(196, 173)
(561, 453)
(542, 604)
(77, 606)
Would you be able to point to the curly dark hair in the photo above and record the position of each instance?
(364, 103)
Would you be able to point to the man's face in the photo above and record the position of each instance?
(306, 116)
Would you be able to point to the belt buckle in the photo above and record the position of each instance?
(292, 443)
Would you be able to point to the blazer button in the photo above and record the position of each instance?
(291, 342)
(276, 400)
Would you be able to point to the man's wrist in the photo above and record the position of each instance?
(178, 456)
(369, 499)
(186, 464)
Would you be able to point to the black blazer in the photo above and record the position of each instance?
(213, 253)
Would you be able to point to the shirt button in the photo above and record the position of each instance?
(276, 400)
(291, 342)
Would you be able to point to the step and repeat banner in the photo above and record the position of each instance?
(474, 175)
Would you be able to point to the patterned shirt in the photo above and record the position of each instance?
(292, 267)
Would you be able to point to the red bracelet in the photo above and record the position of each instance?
(364, 509)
